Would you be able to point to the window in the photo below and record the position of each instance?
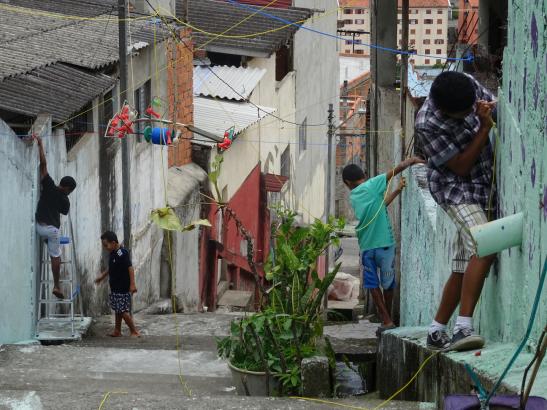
(413, 21)
(82, 123)
(348, 21)
(359, 52)
(439, 21)
(439, 31)
(303, 134)
(285, 168)
(283, 62)
(142, 100)
(357, 41)
(359, 11)
(427, 41)
(439, 41)
(348, 11)
(427, 51)
(359, 21)
(427, 31)
(413, 31)
(412, 41)
(439, 11)
(348, 42)
(400, 31)
(428, 12)
(428, 21)
(438, 51)
(426, 61)
(438, 61)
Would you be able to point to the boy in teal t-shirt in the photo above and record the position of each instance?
(369, 200)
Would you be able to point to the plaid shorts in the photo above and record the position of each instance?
(120, 302)
(465, 217)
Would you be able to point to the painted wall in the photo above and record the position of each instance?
(317, 84)
(96, 205)
(504, 308)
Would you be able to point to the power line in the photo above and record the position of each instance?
(376, 46)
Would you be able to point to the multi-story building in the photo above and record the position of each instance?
(468, 21)
(428, 29)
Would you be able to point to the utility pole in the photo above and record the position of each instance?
(126, 165)
(330, 135)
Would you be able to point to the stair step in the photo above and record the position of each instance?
(237, 300)
(222, 287)
(52, 301)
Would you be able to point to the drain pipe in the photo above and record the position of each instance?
(495, 236)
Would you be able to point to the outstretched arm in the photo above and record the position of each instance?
(43, 162)
(402, 166)
(101, 277)
(132, 286)
(395, 194)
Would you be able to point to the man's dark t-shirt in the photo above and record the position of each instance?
(52, 203)
(119, 263)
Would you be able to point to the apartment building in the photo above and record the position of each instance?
(428, 29)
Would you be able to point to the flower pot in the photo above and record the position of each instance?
(249, 383)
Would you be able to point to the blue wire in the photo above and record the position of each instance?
(469, 58)
(526, 336)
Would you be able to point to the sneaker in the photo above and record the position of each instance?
(438, 340)
(466, 339)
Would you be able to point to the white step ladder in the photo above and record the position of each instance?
(57, 318)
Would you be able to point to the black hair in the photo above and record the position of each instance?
(109, 236)
(68, 182)
(352, 173)
(453, 92)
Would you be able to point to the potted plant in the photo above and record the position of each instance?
(265, 350)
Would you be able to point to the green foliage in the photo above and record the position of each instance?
(214, 175)
(289, 325)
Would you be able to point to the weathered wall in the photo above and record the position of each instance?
(503, 311)
(317, 84)
(17, 257)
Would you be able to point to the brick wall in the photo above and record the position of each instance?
(180, 95)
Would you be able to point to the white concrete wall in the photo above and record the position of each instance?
(20, 190)
(317, 84)
(18, 185)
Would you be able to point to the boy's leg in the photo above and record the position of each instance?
(54, 250)
(371, 283)
(450, 298)
(385, 259)
(473, 280)
(117, 325)
(129, 321)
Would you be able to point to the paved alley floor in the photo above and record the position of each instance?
(137, 373)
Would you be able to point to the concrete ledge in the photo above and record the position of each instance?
(402, 351)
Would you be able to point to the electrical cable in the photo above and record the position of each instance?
(376, 46)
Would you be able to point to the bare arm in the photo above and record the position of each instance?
(461, 164)
(396, 193)
(101, 277)
(132, 286)
(402, 166)
(43, 162)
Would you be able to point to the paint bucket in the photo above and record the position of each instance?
(496, 236)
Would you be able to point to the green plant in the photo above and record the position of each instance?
(289, 325)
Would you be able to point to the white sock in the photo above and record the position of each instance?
(463, 322)
(436, 326)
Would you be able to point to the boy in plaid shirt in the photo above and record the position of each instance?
(452, 129)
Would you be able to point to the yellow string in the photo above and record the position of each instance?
(385, 402)
(107, 395)
(250, 35)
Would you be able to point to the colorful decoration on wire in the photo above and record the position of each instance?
(228, 138)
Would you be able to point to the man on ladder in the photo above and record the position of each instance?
(53, 202)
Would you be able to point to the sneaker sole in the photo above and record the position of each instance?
(436, 348)
(469, 343)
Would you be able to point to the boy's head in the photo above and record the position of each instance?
(454, 94)
(353, 176)
(110, 241)
(67, 185)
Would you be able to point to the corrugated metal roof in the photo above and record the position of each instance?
(35, 41)
(218, 16)
(243, 80)
(82, 8)
(59, 90)
(218, 116)
(273, 182)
